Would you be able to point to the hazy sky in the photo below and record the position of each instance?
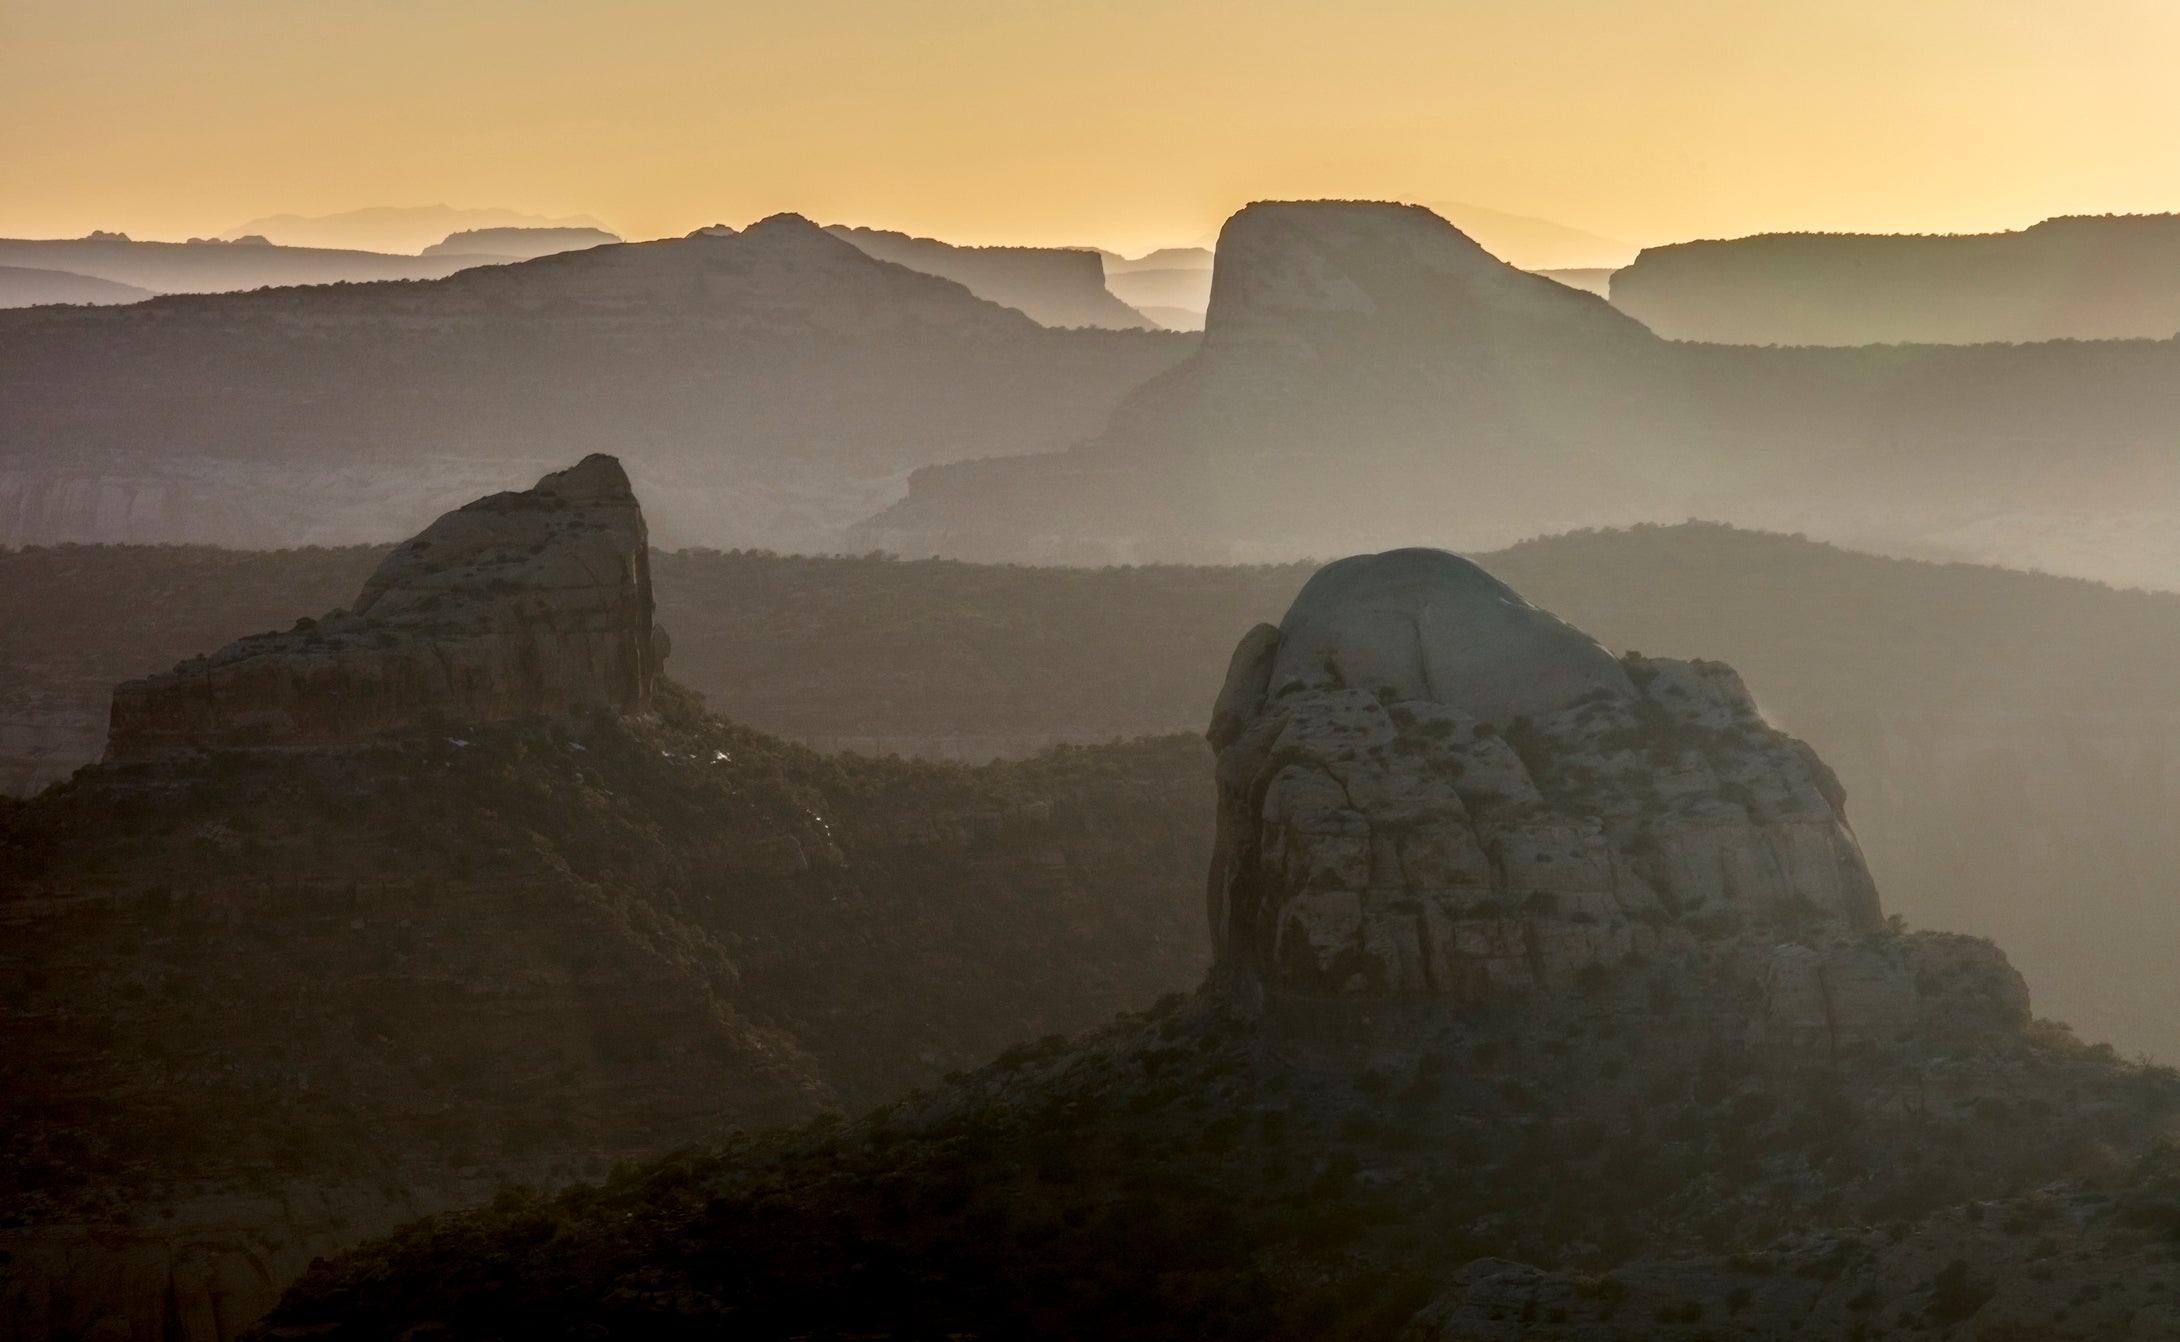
(1120, 122)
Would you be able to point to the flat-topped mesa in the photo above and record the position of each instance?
(1300, 273)
(1429, 789)
(522, 604)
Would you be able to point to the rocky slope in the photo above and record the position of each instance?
(1369, 376)
(764, 388)
(1054, 286)
(2115, 277)
(462, 892)
(1680, 1080)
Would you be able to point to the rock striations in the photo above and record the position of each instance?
(1429, 789)
(522, 604)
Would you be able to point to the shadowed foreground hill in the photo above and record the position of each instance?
(450, 888)
(1594, 1086)
(2004, 735)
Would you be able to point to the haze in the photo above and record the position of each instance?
(1129, 125)
(1247, 671)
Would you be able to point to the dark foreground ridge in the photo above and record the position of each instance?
(1552, 1001)
(455, 890)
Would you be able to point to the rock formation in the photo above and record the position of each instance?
(1552, 1001)
(260, 998)
(522, 604)
(1369, 376)
(1431, 790)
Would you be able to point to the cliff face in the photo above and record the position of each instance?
(1431, 790)
(535, 603)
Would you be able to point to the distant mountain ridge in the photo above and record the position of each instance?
(452, 888)
(394, 228)
(2069, 278)
(1530, 243)
(1054, 286)
(765, 388)
(1370, 376)
(22, 287)
(520, 244)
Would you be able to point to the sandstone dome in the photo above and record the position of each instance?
(1432, 791)
(1422, 624)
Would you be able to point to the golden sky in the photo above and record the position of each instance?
(1125, 123)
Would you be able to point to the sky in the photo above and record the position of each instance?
(1122, 123)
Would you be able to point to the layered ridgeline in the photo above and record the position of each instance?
(1171, 286)
(2110, 277)
(22, 287)
(2007, 734)
(518, 243)
(1055, 286)
(212, 266)
(403, 228)
(765, 387)
(1551, 1000)
(1369, 376)
(452, 889)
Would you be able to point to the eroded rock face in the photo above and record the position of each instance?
(521, 604)
(1430, 789)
